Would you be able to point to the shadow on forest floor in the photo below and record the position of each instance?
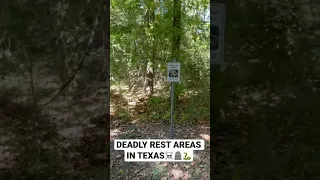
(78, 134)
(277, 140)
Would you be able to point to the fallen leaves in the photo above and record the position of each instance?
(175, 170)
(177, 173)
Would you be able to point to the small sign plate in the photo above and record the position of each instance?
(217, 25)
(174, 72)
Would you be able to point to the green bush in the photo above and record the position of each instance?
(38, 165)
(158, 108)
(123, 114)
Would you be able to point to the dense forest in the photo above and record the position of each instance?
(144, 37)
(141, 41)
(268, 92)
(54, 74)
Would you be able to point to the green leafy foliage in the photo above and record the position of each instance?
(42, 44)
(123, 114)
(158, 109)
(142, 32)
(39, 165)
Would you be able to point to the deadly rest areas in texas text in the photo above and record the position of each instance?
(158, 144)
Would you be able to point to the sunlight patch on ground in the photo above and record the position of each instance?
(176, 173)
(112, 110)
(134, 121)
(114, 133)
(206, 137)
(15, 81)
(72, 132)
(93, 107)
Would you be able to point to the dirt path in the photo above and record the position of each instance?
(198, 169)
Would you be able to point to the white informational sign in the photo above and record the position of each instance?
(159, 150)
(217, 23)
(173, 72)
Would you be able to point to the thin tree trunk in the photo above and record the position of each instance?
(34, 129)
(64, 85)
(63, 71)
(106, 47)
(32, 86)
(153, 70)
(176, 28)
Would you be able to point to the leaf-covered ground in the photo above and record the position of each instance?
(78, 146)
(198, 169)
(137, 128)
(79, 141)
(269, 134)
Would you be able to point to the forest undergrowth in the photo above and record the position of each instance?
(139, 116)
(66, 140)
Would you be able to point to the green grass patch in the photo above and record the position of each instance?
(123, 114)
(129, 135)
(159, 172)
(38, 165)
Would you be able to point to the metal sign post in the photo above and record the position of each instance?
(217, 25)
(173, 76)
(172, 111)
(217, 28)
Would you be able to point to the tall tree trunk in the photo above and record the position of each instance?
(106, 43)
(153, 56)
(106, 47)
(153, 66)
(149, 78)
(176, 29)
(149, 75)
